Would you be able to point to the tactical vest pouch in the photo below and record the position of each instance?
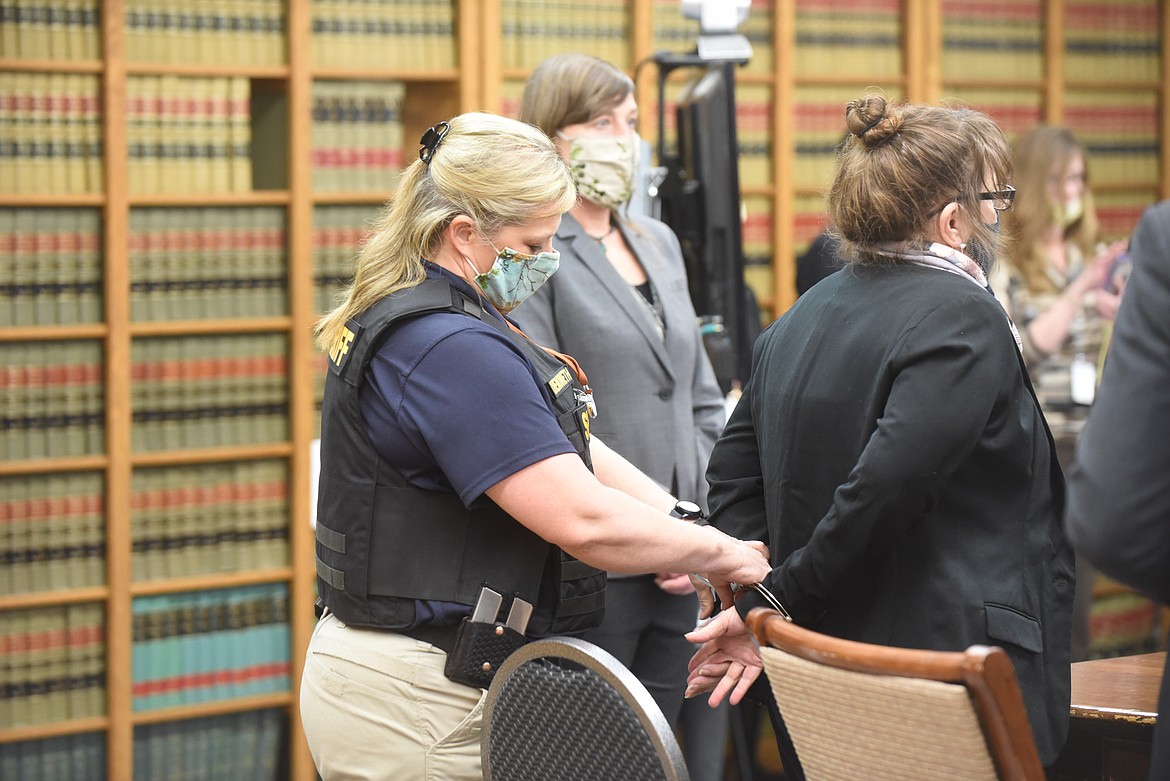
(480, 649)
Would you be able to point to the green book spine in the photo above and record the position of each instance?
(24, 270)
(40, 623)
(187, 522)
(7, 552)
(58, 527)
(17, 669)
(168, 524)
(89, 264)
(9, 42)
(39, 535)
(18, 536)
(90, 356)
(240, 133)
(56, 665)
(45, 243)
(57, 400)
(67, 281)
(8, 228)
(94, 524)
(15, 379)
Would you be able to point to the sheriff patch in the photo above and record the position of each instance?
(339, 353)
(559, 381)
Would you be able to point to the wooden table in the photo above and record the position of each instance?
(1114, 709)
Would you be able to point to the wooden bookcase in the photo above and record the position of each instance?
(430, 94)
(786, 202)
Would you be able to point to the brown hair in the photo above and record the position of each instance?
(1037, 154)
(568, 89)
(901, 164)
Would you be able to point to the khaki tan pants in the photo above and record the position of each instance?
(376, 705)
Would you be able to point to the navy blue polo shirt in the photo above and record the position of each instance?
(454, 405)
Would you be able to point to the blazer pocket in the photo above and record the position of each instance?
(1012, 626)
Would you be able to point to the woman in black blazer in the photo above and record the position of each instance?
(889, 447)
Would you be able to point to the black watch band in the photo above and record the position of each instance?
(688, 511)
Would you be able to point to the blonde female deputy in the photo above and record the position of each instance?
(456, 455)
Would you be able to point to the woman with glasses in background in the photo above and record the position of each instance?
(1054, 278)
(888, 447)
(1062, 289)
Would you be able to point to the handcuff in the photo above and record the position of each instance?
(759, 588)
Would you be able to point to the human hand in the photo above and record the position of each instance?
(1096, 275)
(749, 564)
(675, 583)
(1106, 304)
(709, 603)
(727, 661)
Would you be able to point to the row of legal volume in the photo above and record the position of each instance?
(185, 521)
(250, 746)
(53, 398)
(194, 134)
(226, 32)
(207, 646)
(53, 533)
(202, 519)
(52, 134)
(51, 272)
(186, 263)
(186, 392)
(208, 391)
(54, 664)
(847, 39)
(187, 648)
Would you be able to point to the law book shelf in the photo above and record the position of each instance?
(172, 178)
(182, 189)
(1096, 67)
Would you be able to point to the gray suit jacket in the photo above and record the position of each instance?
(658, 402)
(1119, 488)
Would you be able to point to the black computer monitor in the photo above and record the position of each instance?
(700, 201)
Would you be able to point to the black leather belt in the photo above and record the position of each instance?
(438, 636)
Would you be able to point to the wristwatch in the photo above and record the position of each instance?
(688, 511)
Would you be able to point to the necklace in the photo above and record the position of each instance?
(604, 236)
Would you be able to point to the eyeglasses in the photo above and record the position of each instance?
(1001, 200)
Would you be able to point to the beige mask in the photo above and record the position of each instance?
(603, 167)
(1070, 211)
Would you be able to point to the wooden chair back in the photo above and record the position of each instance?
(858, 710)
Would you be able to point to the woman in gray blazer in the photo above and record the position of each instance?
(619, 305)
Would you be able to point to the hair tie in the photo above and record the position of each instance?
(430, 141)
(871, 126)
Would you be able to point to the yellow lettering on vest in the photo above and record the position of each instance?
(341, 346)
(585, 416)
(559, 381)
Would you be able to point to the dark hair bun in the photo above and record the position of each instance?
(872, 120)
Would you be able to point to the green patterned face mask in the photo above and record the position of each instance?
(603, 167)
(515, 276)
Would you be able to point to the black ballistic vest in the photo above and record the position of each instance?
(383, 543)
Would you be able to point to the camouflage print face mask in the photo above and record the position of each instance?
(603, 167)
(515, 276)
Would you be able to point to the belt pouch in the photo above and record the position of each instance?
(480, 649)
